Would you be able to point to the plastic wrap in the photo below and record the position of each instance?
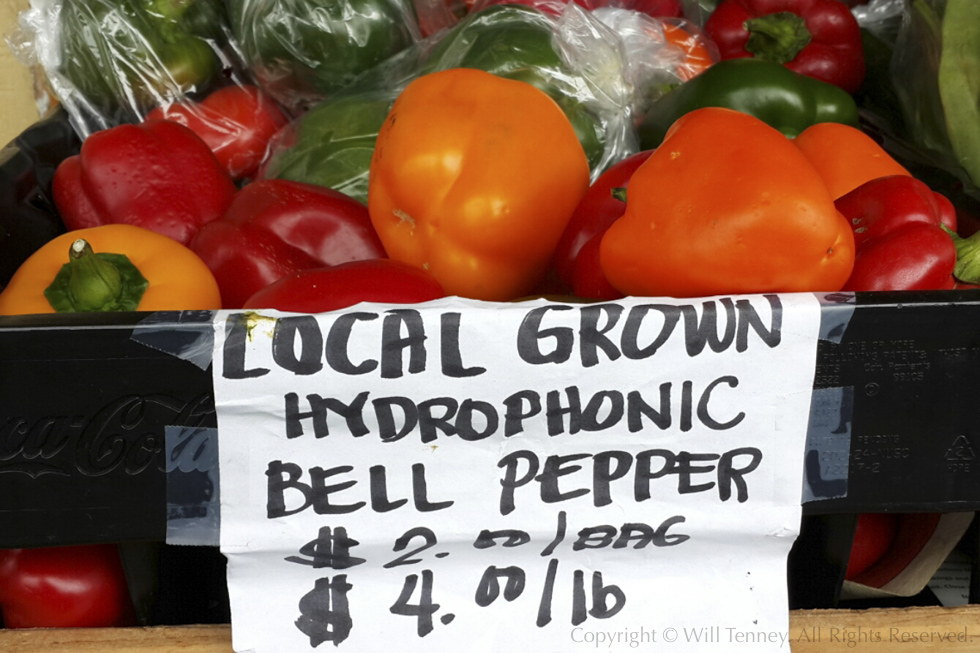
(935, 70)
(332, 144)
(657, 8)
(112, 61)
(659, 53)
(304, 51)
(600, 74)
(882, 18)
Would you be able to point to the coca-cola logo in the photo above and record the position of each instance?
(125, 436)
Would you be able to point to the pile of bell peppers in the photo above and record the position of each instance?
(477, 178)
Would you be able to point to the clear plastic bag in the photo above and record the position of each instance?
(304, 51)
(332, 144)
(595, 75)
(111, 61)
(659, 52)
(882, 18)
(654, 8)
(935, 70)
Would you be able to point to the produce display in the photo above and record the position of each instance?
(307, 155)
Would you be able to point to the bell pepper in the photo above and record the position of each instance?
(657, 8)
(115, 267)
(158, 175)
(783, 99)
(275, 227)
(80, 586)
(332, 288)
(873, 536)
(332, 144)
(726, 205)
(303, 51)
(817, 38)
(121, 51)
(900, 236)
(577, 253)
(237, 122)
(845, 156)
(517, 42)
(473, 179)
(698, 52)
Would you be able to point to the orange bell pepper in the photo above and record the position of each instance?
(845, 156)
(117, 267)
(726, 205)
(473, 179)
(699, 53)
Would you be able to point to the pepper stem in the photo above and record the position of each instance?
(967, 269)
(777, 37)
(92, 282)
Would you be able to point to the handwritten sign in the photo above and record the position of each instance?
(532, 476)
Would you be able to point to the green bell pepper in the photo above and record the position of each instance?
(132, 54)
(303, 51)
(783, 99)
(332, 144)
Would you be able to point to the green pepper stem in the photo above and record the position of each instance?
(777, 37)
(93, 282)
(967, 269)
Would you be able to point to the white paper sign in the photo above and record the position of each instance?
(464, 476)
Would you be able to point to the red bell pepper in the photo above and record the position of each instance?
(328, 289)
(900, 236)
(64, 587)
(236, 122)
(817, 38)
(577, 254)
(158, 175)
(873, 536)
(275, 227)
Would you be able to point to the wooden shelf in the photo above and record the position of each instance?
(811, 631)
